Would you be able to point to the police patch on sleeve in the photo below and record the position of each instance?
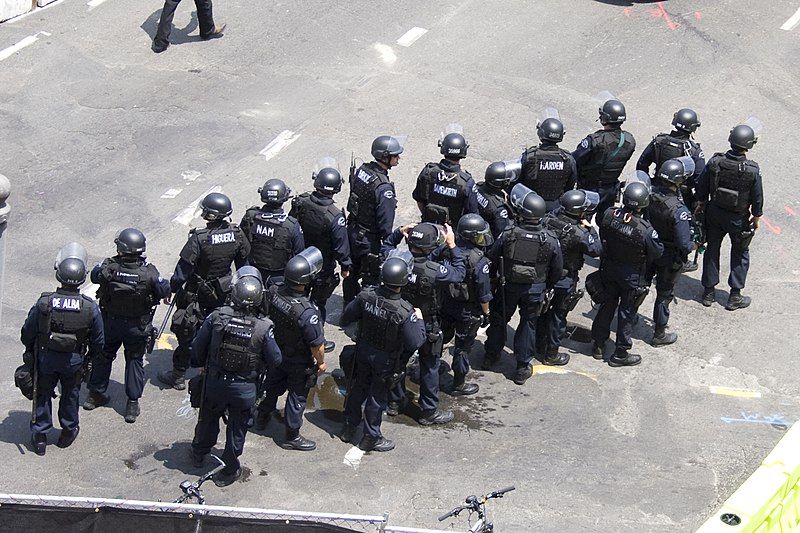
(388, 194)
(655, 234)
(503, 213)
(443, 269)
(271, 333)
(341, 221)
(585, 143)
(413, 317)
(485, 269)
(590, 238)
(314, 319)
(684, 215)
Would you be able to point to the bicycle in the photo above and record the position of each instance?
(474, 504)
(191, 489)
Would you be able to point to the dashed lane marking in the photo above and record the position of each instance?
(190, 175)
(94, 3)
(188, 214)
(33, 12)
(385, 51)
(171, 193)
(284, 139)
(792, 22)
(544, 369)
(27, 41)
(411, 36)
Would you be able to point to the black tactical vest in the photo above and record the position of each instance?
(382, 320)
(491, 204)
(422, 290)
(125, 289)
(625, 242)
(270, 239)
(608, 157)
(526, 254)
(242, 341)
(285, 310)
(666, 147)
(65, 321)
(466, 290)
(445, 193)
(362, 202)
(316, 221)
(662, 216)
(731, 181)
(570, 235)
(546, 172)
(218, 248)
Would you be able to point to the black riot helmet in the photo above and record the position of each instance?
(395, 271)
(453, 146)
(496, 175)
(673, 171)
(612, 112)
(384, 147)
(550, 130)
(473, 228)
(304, 267)
(636, 196)
(130, 241)
(574, 202)
(274, 192)
(71, 272)
(328, 181)
(247, 293)
(425, 236)
(216, 206)
(742, 137)
(685, 120)
(527, 204)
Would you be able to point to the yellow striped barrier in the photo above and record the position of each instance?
(769, 501)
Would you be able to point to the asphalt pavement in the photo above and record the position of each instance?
(99, 133)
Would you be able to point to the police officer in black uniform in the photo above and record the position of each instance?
(130, 289)
(672, 220)
(466, 304)
(531, 257)
(371, 209)
(733, 184)
(59, 330)
(444, 190)
(577, 238)
(298, 331)
(424, 291)
(324, 228)
(548, 170)
(202, 278)
(274, 236)
(233, 345)
(492, 199)
(388, 328)
(631, 250)
(602, 155)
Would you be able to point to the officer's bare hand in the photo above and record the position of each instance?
(345, 274)
(585, 223)
(321, 368)
(449, 236)
(405, 229)
(418, 312)
(755, 221)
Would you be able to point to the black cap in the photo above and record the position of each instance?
(274, 192)
(550, 130)
(636, 196)
(612, 112)
(685, 120)
(216, 206)
(742, 137)
(453, 146)
(328, 181)
(130, 241)
(425, 236)
(384, 147)
(473, 228)
(395, 272)
(71, 272)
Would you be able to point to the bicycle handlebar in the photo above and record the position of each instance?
(208, 475)
(499, 493)
(454, 512)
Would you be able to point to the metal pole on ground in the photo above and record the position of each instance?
(5, 210)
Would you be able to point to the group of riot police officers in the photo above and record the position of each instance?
(515, 242)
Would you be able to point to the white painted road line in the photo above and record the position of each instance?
(34, 12)
(284, 139)
(27, 41)
(90, 290)
(792, 23)
(188, 214)
(190, 175)
(353, 457)
(411, 36)
(387, 54)
(94, 3)
(171, 193)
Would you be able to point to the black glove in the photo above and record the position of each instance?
(484, 320)
(27, 357)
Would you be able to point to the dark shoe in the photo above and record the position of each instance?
(553, 358)
(132, 411)
(436, 417)
(489, 360)
(522, 374)
(395, 408)
(329, 346)
(197, 458)
(348, 432)
(623, 358)
(382, 444)
(465, 389)
(67, 437)
(262, 419)
(295, 441)
(158, 48)
(737, 301)
(709, 296)
(662, 338)
(221, 479)
(218, 32)
(173, 378)
(39, 443)
(689, 266)
(95, 400)
(597, 349)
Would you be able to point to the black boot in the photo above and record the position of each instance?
(39, 443)
(436, 417)
(689, 266)
(395, 408)
(223, 479)
(173, 378)
(461, 387)
(329, 346)
(370, 444)
(197, 458)
(553, 358)
(623, 358)
(522, 374)
(348, 432)
(67, 437)
(132, 411)
(597, 349)
(489, 360)
(295, 441)
(662, 338)
(95, 400)
(737, 301)
(709, 296)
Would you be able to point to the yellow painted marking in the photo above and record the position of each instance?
(545, 369)
(167, 341)
(736, 393)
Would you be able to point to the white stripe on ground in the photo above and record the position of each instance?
(27, 41)
(94, 3)
(171, 193)
(34, 12)
(190, 175)
(188, 214)
(353, 457)
(284, 139)
(411, 36)
(387, 54)
(793, 21)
